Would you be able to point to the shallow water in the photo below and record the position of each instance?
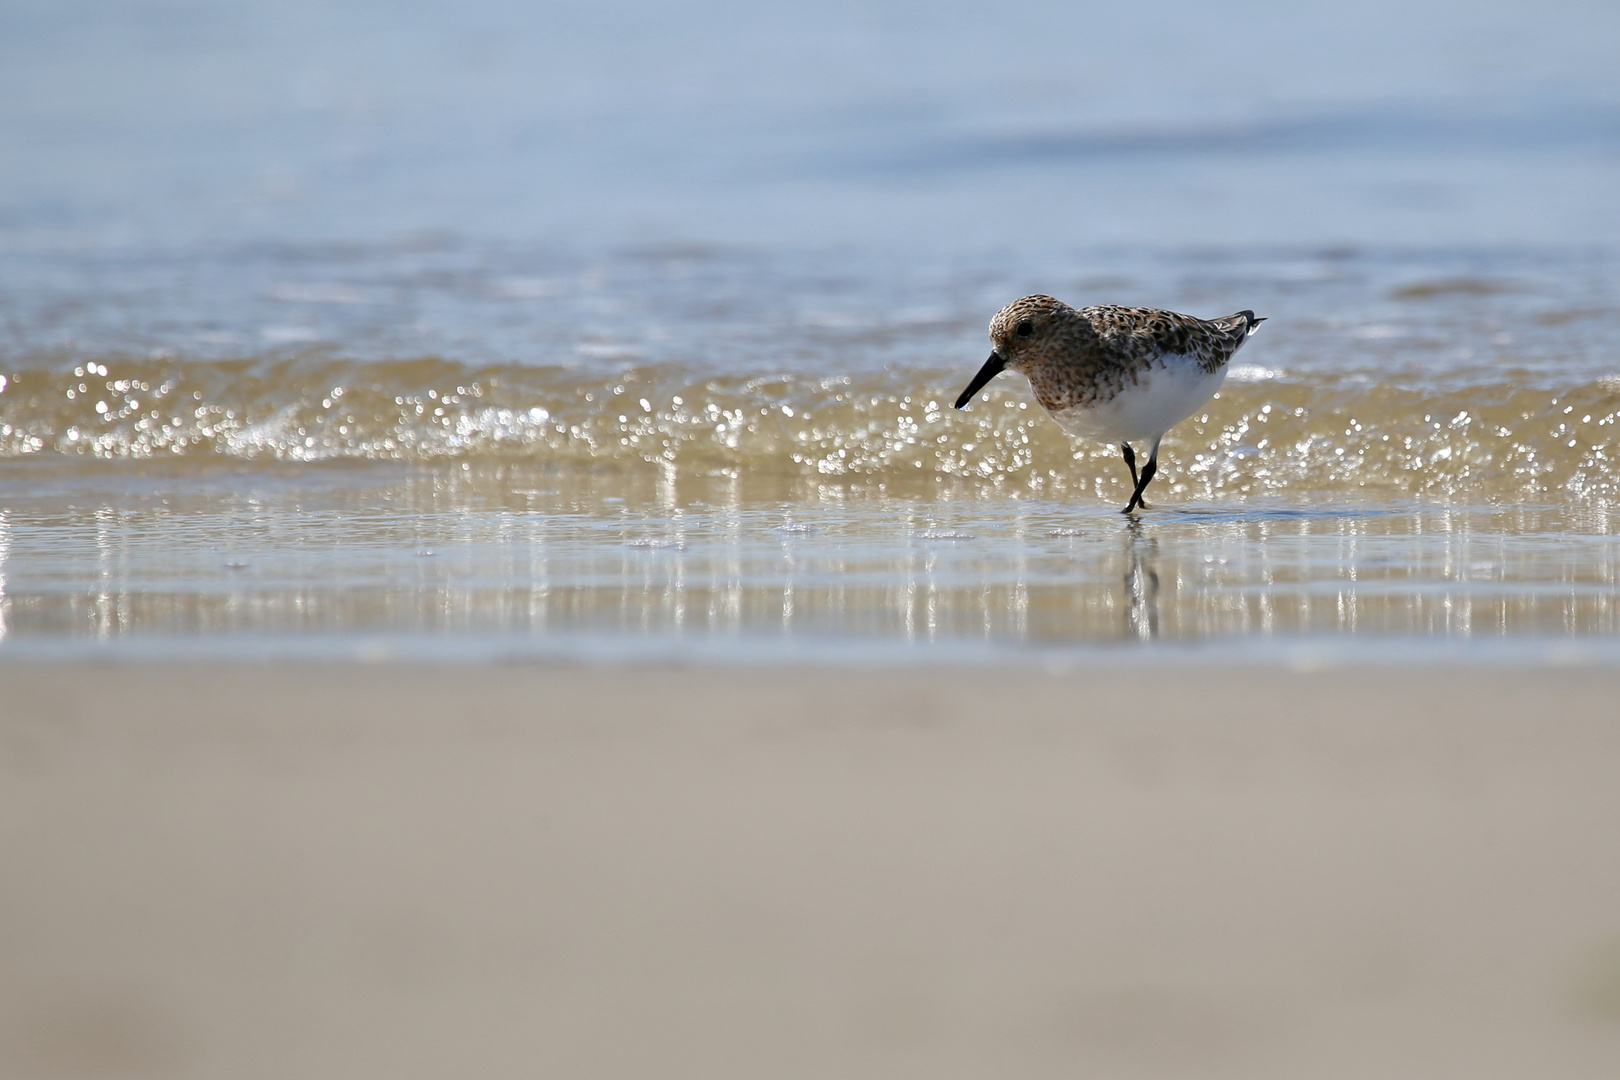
(501, 328)
(712, 451)
(527, 558)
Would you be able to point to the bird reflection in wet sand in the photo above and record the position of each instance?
(1141, 583)
(1118, 374)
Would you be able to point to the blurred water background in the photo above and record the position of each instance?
(614, 327)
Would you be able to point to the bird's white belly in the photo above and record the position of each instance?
(1163, 396)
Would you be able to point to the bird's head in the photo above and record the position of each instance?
(1019, 334)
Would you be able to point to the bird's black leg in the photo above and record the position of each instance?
(1141, 485)
(1130, 461)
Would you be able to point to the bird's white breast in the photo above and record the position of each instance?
(1162, 396)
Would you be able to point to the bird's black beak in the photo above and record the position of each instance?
(992, 367)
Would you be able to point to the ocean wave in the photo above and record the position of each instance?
(1281, 433)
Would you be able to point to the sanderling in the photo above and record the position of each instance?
(1116, 374)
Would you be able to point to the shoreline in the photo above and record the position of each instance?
(401, 870)
(717, 653)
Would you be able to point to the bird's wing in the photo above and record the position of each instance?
(1144, 334)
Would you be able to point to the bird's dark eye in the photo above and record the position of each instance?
(1025, 328)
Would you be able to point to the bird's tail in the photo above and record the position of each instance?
(1240, 325)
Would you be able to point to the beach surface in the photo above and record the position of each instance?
(388, 870)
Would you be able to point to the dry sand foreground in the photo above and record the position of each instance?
(399, 872)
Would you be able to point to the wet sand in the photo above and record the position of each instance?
(418, 871)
